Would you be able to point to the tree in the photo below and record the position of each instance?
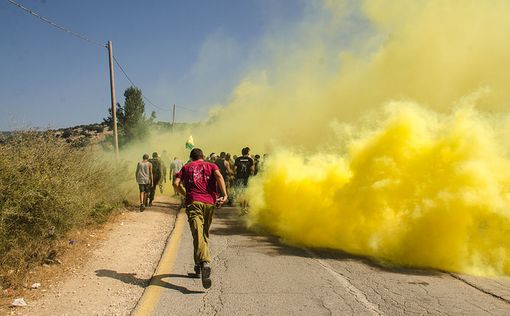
(132, 124)
(134, 114)
(120, 116)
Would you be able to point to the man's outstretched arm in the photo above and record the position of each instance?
(223, 189)
(178, 187)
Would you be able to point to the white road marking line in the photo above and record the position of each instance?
(358, 294)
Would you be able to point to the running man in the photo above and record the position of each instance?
(143, 176)
(200, 180)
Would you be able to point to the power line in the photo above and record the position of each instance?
(143, 96)
(185, 108)
(131, 81)
(76, 34)
(91, 41)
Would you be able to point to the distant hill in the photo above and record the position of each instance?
(96, 133)
(83, 135)
(79, 136)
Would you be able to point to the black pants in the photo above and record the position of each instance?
(152, 192)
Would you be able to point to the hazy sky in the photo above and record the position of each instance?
(191, 53)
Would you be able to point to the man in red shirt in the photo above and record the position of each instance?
(198, 181)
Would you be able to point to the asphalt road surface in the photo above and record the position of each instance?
(256, 274)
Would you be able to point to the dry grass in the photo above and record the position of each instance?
(48, 188)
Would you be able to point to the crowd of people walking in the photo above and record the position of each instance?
(235, 170)
(204, 183)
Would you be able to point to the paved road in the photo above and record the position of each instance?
(255, 274)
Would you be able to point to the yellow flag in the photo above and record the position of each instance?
(189, 143)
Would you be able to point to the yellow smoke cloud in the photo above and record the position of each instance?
(387, 127)
(417, 185)
(422, 190)
(346, 59)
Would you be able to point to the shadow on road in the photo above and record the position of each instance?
(157, 280)
(230, 222)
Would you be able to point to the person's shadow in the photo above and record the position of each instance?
(157, 280)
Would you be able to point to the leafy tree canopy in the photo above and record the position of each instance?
(132, 123)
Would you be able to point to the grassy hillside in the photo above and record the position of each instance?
(49, 186)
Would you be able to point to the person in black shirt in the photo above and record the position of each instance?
(156, 176)
(243, 168)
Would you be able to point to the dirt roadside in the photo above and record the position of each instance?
(111, 276)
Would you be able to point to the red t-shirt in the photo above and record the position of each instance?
(199, 180)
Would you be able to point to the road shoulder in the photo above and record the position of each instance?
(115, 274)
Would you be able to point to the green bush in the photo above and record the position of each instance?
(47, 188)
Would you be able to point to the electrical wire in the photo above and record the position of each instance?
(185, 108)
(76, 34)
(131, 81)
(143, 96)
(91, 41)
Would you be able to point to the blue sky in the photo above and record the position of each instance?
(191, 53)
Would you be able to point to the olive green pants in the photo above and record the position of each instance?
(200, 218)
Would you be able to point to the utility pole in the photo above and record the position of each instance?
(173, 119)
(114, 102)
